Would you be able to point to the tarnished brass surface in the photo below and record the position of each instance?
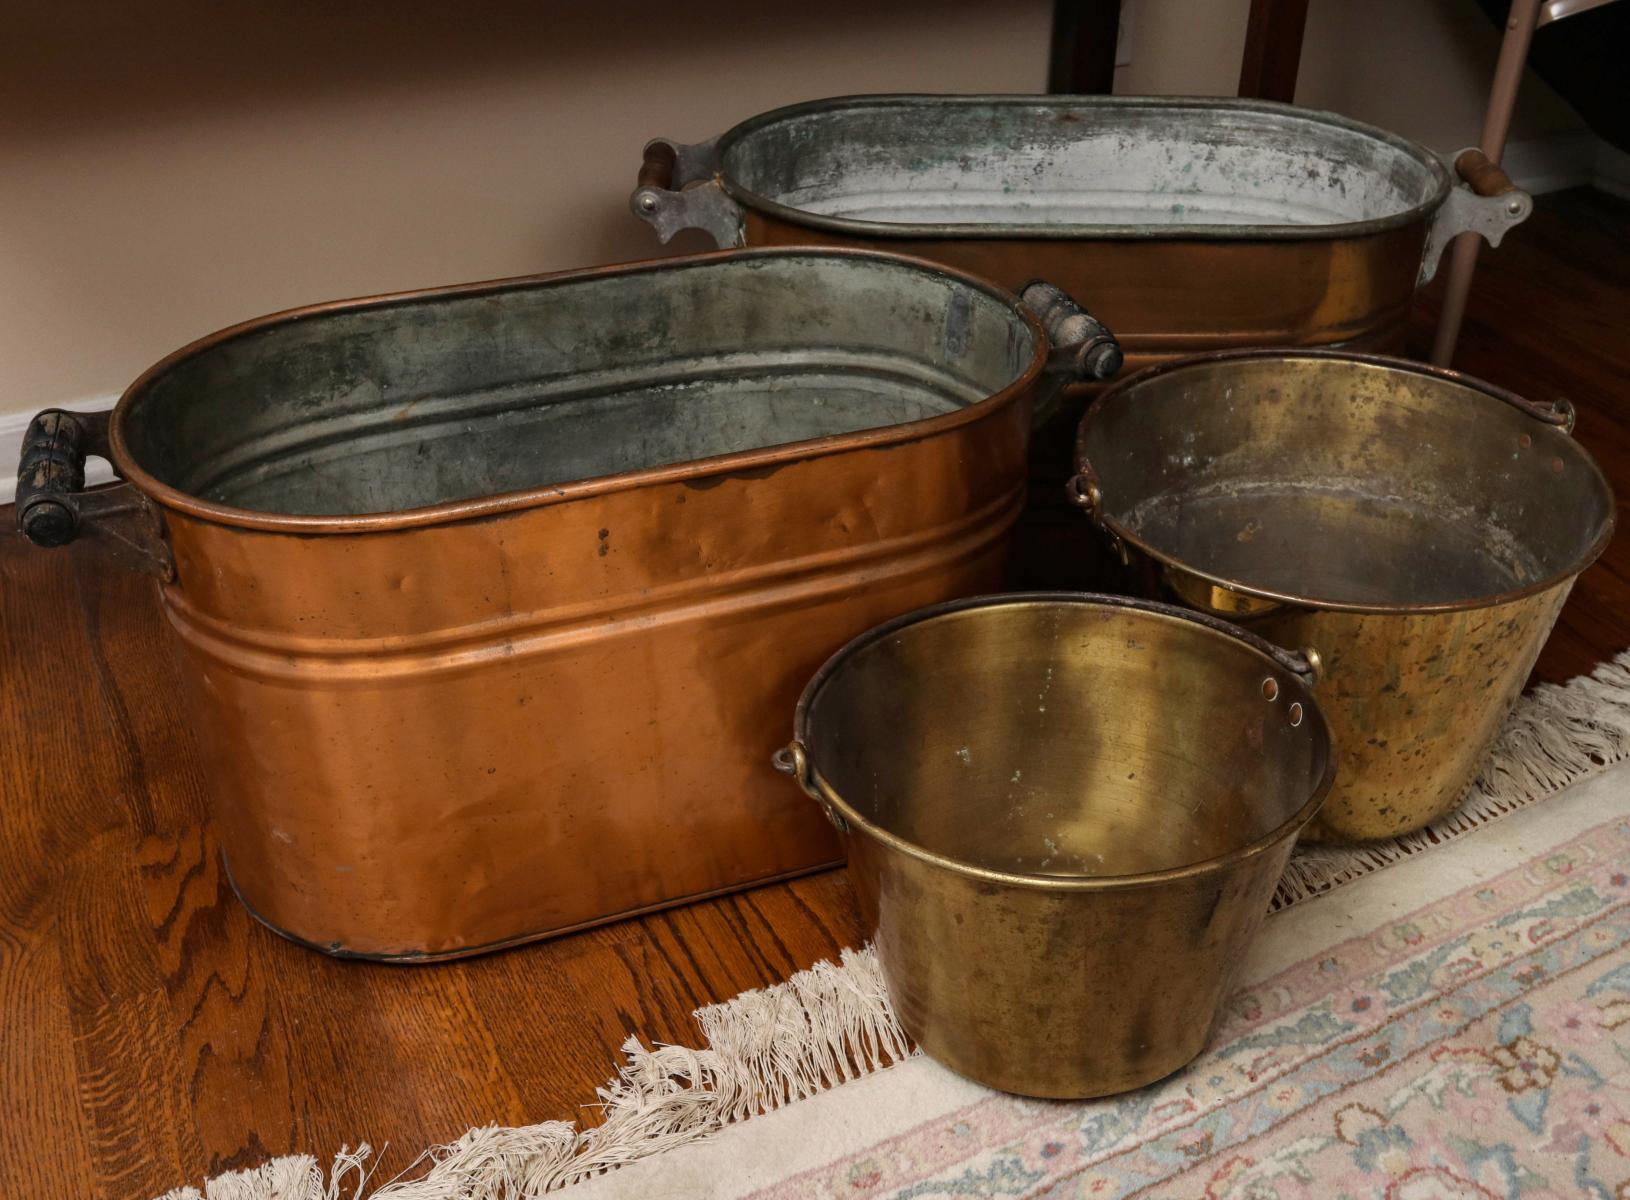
(1066, 815)
(492, 599)
(1414, 702)
(1420, 528)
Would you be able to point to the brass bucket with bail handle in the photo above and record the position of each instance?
(1065, 816)
(1421, 527)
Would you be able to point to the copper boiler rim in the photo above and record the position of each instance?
(486, 506)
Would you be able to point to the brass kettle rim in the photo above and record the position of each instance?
(795, 759)
(1087, 491)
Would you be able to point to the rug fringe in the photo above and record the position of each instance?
(765, 1048)
(293, 1177)
(834, 1023)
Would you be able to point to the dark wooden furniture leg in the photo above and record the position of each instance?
(1273, 49)
(1083, 52)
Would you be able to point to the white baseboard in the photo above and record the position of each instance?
(1549, 164)
(1564, 160)
(1612, 170)
(14, 425)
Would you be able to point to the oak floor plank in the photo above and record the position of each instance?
(70, 1033)
(48, 1147)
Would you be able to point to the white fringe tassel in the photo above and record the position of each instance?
(833, 1022)
(296, 1177)
(822, 1027)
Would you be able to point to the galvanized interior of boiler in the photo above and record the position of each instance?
(1008, 162)
(406, 404)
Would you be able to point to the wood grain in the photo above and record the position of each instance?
(154, 1033)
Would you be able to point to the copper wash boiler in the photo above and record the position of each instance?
(491, 599)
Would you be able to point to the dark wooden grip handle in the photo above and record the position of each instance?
(52, 470)
(657, 171)
(1482, 175)
(1069, 326)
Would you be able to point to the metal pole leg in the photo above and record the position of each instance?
(1519, 31)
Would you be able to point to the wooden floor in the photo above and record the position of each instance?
(151, 1032)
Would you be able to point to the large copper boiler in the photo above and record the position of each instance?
(1194, 224)
(492, 599)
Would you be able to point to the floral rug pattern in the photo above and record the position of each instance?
(1476, 1047)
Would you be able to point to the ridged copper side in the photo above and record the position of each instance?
(1170, 297)
(439, 739)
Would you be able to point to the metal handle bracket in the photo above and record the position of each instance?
(792, 760)
(679, 188)
(1486, 203)
(53, 509)
(1082, 490)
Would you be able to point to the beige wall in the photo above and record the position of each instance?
(171, 166)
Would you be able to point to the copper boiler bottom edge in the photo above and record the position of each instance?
(431, 957)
